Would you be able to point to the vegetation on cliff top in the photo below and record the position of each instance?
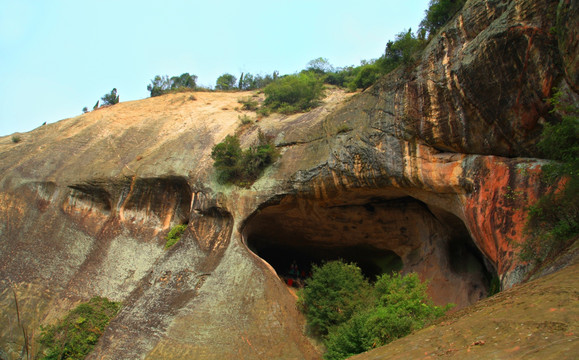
(352, 316)
(401, 51)
(75, 336)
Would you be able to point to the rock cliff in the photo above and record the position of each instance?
(432, 175)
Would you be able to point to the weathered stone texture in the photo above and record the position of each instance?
(443, 152)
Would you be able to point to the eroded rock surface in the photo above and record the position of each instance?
(433, 177)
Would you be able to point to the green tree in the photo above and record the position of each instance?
(332, 295)
(225, 82)
(439, 12)
(185, 81)
(320, 66)
(111, 98)
(159, 85)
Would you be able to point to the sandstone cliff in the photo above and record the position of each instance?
(418, 182)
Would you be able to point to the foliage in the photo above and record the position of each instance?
(320, 66)
(16, 139)
(242, 167)
(365, 77)
(553, 221)
(159, 85)
(293, 93)
(174, 235)
(353, 316)
(438, 14)
(332, 295)
(401, 50)
(76, 335)
(110, 99)
(226, 82)
(245, 119)
(252, 82)
(163, 84)
(84, 110)
(248, 103)
(184, 81)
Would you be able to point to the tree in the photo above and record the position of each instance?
(332, 295)
(159, 85)
(185, 80)
(320, 66)
(438, 14)
(226, 82)
(111, 98)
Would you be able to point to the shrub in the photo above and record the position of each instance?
(242, 167)
(293, 93)
(16, 139)
(353, 316)
(245, 119)
(332, 295)
(75, 336)
(163, 84)
(111, 99)
(84, 110)
(225, 82)
(174, 235)
(248, 103)
(366, 76)
(553, 221)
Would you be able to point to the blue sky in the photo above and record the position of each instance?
(58, 56)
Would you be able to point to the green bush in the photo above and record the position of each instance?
(293, 93)
(111, 99)
(75, 336)
(248, 103)
(245, 119)
(353, 316)
(242, 167)
(174, 235)
(332, 295)
(553, 221)
(163, 84)
(16, 139)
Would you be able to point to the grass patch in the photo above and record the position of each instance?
(245, 119)
(75, 336)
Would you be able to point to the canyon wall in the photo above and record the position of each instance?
(436, 167)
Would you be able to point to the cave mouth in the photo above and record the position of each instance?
(373, 262)
(381, 233)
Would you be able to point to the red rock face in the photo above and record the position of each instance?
(496, 209)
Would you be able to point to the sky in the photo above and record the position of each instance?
(58, 56)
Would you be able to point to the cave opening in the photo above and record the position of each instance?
(382, 233)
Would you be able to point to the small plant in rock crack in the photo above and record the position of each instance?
(175, 235)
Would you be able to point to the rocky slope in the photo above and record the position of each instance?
(429, 170)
